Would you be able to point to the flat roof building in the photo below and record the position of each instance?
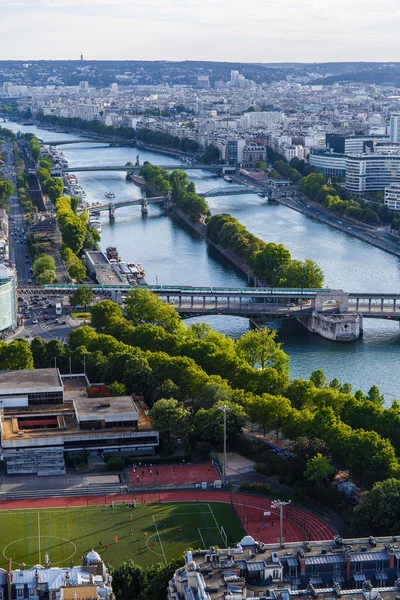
(32, 387)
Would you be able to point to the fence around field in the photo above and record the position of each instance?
(250, 508)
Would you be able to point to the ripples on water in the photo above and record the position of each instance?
(173, 255)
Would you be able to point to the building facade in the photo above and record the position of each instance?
(328, 163)
(371, 172)
(392, 196)
(8, 299)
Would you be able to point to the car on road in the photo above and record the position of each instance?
(27, 316)
(64, 322)
(349, 228)
(56, 321)
(29, 280)
(291, 305)
(35, 321)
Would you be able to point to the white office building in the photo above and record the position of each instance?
(392, 196)
(328, 163)
(8, 299)
(371, 172)
(395, 127)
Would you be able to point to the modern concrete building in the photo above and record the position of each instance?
(44, 416)
(392, 196)
(395, 127)
(371, 172)
(8, 299)
(328, 162)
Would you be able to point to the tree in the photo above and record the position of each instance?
(303, 274)
(105, 315)
(43, 263)
(170, 417)
(6, 189)
(318, 378)
(318, 468)
(16, 356)
(46, 277)
(374, 395)
(259, 346)
(208, 425)
(379, 510)
(261, 165)
(77, 270)
(117, 389)
(143, 306)
(271, 262)
(83, 296)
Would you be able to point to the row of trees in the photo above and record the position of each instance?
(154, 355)
(271, 262)
(97, 127)
(337, 198)
(72, 227)
(160, 138)
(182, 190)
(282, 168)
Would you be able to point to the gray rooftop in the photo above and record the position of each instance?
(32, 379)
(100, 408)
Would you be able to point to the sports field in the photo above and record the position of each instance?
(157, 533)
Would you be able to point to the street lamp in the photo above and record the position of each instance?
(224, 409)
(280, 504)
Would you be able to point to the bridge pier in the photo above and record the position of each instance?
(336, 327)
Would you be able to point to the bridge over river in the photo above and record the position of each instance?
(263, 303)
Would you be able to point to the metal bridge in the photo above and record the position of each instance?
(112, 206)
(229, 190)
(80, 141)
(263, 303)
(135, 168)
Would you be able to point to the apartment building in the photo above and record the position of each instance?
(327, 162)
(329, 568)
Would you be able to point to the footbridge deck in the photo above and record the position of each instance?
(132, 169)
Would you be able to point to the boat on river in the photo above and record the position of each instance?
(109, 195)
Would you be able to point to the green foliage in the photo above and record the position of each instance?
(211, 155)
(15, 356)
(43, 263)
(160, 138)
(82, 296)
(378, 513)
(170, 418)
(117, 389)
(318, 468)
(270, 262)
(46, 277)
(183, 192)
(287, 171)
(143, 306)
(72, 228)
(259, 347)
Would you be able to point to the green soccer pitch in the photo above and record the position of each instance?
(158, 532)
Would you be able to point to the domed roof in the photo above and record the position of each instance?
(247, 541)
(93, 556)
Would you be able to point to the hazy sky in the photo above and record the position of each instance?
(227, 30)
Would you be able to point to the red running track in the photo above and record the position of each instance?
(173, 475)
(250, 509)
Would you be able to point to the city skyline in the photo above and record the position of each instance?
(227, 31)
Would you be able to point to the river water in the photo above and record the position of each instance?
(172, 255)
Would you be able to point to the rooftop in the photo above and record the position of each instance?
(95, 408)
(33, 379)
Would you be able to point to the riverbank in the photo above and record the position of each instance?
(348, 227)
(200, 229)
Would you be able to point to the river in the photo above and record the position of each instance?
(172, 255)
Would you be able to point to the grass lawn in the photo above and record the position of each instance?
(67, 534)
(80, 314)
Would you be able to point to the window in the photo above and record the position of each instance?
(32, 591)
(20, 593)
(336, 571)
(315, 570)
(379, 565)
(275, 574)
(292, 571)
(357, 567)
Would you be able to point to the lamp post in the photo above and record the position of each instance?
(280, 504)
(224, 410)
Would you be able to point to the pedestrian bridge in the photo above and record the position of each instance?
(80, 141)
(111, 206)
(255, 303)
(229, 190)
